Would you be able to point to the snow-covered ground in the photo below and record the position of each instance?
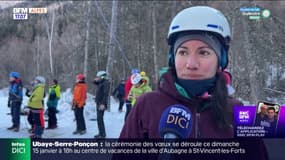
(114, 120)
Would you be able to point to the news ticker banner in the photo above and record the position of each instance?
(66, 149)
(248, 123)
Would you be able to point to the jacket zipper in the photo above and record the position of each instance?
(197, 126)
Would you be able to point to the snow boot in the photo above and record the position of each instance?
(76, 132)
(82, 132)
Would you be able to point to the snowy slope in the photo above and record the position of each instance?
(114, 120)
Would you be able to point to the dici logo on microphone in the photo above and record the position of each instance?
(178, 116)
(176, 120)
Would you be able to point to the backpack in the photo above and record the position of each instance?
(52, 94)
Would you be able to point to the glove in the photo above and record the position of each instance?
(102, 107)
(73, 106)
(9, 104)
(27, 91)
(28, 94)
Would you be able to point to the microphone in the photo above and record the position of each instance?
(175, 122)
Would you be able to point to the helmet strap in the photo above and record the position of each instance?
(224, 58)
(171, 57)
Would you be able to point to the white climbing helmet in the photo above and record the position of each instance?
(41, 79)
(200, 18)
(101, 74)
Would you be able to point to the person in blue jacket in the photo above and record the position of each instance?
(15, 99)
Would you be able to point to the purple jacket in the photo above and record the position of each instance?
(143, 121)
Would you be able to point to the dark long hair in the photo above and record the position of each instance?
(219, 102)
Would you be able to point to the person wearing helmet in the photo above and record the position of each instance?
(53, 98)
(199, 39)
(35, 104)
(15, 99)
(102, 100)
(78, 103)
(128, 86)
(140, 86)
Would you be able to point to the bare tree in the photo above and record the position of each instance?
(85, 69)
(111, 49)
(50, 37)
(251, 67)
(38, 55)
(154, 32)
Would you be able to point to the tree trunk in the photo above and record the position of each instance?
(50, 36)
(111, 49)
(250, 66)
(154, 44)
(38, 55)
(115, 39)
(85, 69)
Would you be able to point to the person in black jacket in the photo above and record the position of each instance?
(101, 99)
(119, 93)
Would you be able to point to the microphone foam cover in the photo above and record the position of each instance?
(176, 119)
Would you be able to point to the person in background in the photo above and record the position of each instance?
(145, 77)
(35, 104)
(15, 99)
(101, 99)
(53, 98)
(26, 109)
(78, 103)
(140, 86)
(128, 87)
(119, 93)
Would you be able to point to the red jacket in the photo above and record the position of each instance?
(128, 87)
